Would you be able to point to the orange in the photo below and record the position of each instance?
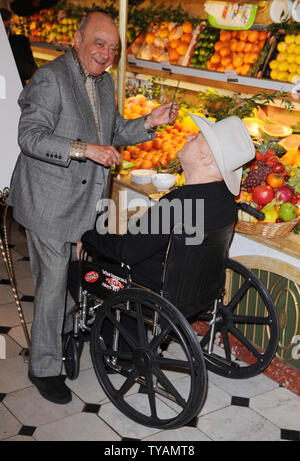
(186, 38)
(225, 51)
(164, 33)
(173, 54)
(215, 59)
(243, 35)
(174, 43)
(220, 69)
(171, 156)
(182, 48)
(166, 146)
(126, 155)
(211, 66)
(135, 152)
(150, 37)
(148, 155)
(240, 46)
(245, 69)
(155, 159)
(255, 48)
(146, 164)
(263, 35)
(219, 45)
(233, 44)
(253, 57)
(162, 160)
(225, 35)
(253, 36)
(137, 162)
(139, 40)
(238, 60)
(187, 27)
(226, 61)
(248, 47)
(234, 34)
(147, 146)
(157, 142)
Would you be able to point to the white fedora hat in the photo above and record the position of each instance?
(231, 146)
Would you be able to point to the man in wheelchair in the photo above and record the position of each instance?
(137, 295)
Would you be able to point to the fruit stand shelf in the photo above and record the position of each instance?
(226, 81)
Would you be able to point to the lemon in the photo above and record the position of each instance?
(291, 58)
(274, 64)
(289, 39)
(290, 49)
(282, 46)
(290, 77)
(297, 39)
(297, 49)
(293, 68)
(298, 59)
(283, 66)
(281, 57)
(298, 70)
(283, 76)
(274, 75)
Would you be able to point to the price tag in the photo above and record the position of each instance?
(131, 60)
(296, 88)
(231, 76)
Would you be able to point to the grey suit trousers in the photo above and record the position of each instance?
(49, 261)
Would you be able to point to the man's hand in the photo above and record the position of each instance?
(161, 114)
(105, 155)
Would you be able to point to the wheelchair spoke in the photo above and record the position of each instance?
(151, 395)
(164, 381)
(245, 341)
(123, 331)
(157, 340)
(238, 295)
(173, 363)
(250, 320)
(127, 384)
(141, 325)
(205, 340)
(224, 333)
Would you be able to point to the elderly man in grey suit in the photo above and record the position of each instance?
(68, 127)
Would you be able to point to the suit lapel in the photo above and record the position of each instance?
(82, 98)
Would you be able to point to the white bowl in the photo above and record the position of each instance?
(142, 176)
(163, 181)
(296, 11)
(281, 10)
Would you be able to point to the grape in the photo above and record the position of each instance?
(258, 175)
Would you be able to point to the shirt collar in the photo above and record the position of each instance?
(83, 70)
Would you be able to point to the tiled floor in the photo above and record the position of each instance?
(253, 409)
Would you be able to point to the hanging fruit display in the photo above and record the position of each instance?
(285, 63)
(204, 48)
(168, 42)
(239, 51)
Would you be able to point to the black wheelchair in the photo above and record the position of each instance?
(142, 340)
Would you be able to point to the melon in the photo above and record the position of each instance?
(254, 126)
(276, 131)
(290, 142)
(260, 114)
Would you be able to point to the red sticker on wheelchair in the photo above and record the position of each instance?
(114, 283)
(91, 277)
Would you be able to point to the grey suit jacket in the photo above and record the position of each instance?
(51, 194)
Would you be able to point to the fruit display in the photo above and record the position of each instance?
(204, 48)
(271, 186)
(161, 152)
(242, 51)
(285, 63)
(48, 26)
(166, 42)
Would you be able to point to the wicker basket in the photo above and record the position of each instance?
(265, 229)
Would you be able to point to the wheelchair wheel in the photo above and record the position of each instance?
(72, 352)
(246, 329)
(172, 384)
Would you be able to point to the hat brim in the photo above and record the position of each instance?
(232, 179)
